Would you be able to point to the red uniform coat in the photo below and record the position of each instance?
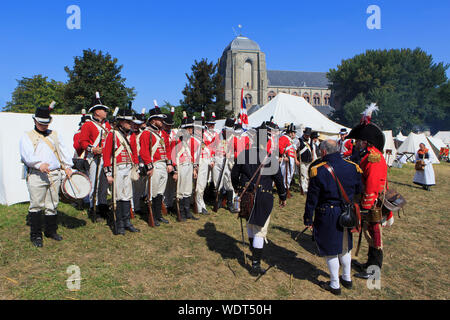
(149, 138)
(90, 132)
(76, 143)
(286, 146)
(374, 176)
(123, 157)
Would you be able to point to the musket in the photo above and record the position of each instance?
(97, 162)
(216, 202)
(288, 165)
(114, 206)
(300, 233)
(151, 221)
(300, 174)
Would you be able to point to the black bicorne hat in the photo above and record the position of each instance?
(369, 131)
(210, 119)
(314, 135)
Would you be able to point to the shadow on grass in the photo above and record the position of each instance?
(274, 255)
(70, 222)
(304, 240)
(405, 184)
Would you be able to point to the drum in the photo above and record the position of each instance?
(77, 187)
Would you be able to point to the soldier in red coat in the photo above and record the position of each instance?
(92, 139)
(369, 141)
(125, 156)
(156, 154)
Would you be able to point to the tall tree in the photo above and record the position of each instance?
(35, 92)
(205, 89)
(403, 82)
(96, 72)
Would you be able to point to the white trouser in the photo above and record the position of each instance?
(202, 176)
(184, 182)
(290, 171)
(139, 190)
(44, 191)
(159, 178)
(304, 176)
(255, 231)
(102, 182)
(226, 179)
(122, 183)
(344, 259)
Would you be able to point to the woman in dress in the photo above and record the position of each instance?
(425, 177)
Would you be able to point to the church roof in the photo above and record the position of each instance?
(297, 79)
(242, 43)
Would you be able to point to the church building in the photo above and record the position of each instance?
(243, 65)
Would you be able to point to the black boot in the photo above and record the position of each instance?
(155, 210)
(50, 228)
(158, 214)
(363, 266)
(127, 218)
(375, 258)
(120, 227)
(103, 212)
(187, 209)
(256, 269)
(182, 210)
(36, 229)
(230, 202)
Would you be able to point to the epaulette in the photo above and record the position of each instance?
(357, 167)
(313, 170)
(374, 157)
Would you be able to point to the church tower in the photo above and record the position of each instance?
(243, 66)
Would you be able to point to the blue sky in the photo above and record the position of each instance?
(158, 41)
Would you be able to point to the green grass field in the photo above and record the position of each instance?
(205, 259)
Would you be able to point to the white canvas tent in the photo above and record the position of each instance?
(444, 136)
(286, 108)
(389, 145)
(400, 137)
(411, 145)
(13, 188)
(436, 144)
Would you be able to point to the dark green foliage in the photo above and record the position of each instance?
(404, 83)
(35, 92)
(204, 89)
(96, 72)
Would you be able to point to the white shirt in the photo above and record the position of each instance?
(43, 154)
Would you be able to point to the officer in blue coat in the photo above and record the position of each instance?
(248, 163)
(325, 203)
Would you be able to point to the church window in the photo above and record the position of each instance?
(248, 75)
(326, 100)
(316, 99)
(294, 93)
(248, 99)
(306, 97)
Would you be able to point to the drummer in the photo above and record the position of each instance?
(46, 159)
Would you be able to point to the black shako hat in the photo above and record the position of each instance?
(291, 128)
(229, 123)
(314, 135)
(187, 123)
(168, 120)
(42, 115)
(368, 131)
(156, 113)
(125, 114)
(210, 119)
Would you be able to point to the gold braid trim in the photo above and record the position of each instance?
(357, 167)
(374, 157)
(313, 170)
